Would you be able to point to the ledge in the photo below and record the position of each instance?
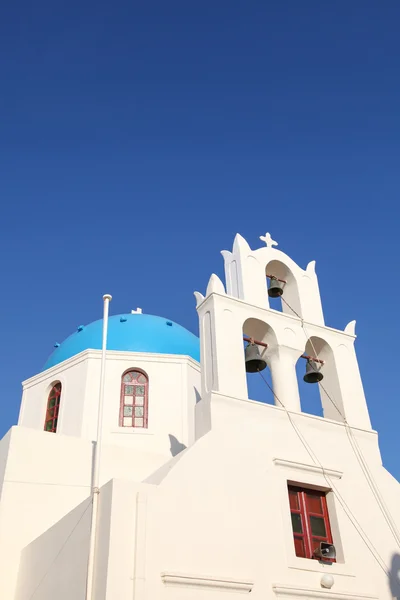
(122, 355)
(289, 464)
(315, 566)
(131, 431)
(262, 406)
(290, 317)
(233, 585)
(307, 592)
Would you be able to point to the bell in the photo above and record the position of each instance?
(313, 373)
(275, 289)
(253, 360)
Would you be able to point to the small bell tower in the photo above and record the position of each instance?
(241, 311)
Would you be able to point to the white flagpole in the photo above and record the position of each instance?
(97, 454)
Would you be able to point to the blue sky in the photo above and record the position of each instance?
(137, 138)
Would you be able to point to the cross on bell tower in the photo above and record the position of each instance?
(242, 310)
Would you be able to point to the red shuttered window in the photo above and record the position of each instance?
(310, 520)
(53, 406)
(134, 399)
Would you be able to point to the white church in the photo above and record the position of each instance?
(140, 468)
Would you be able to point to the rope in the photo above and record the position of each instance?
(355, 446)
(331, 485)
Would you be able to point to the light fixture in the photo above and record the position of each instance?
(327, 581)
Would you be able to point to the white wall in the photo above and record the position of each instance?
(193, 394)
(219, 516)
(73, 376)
(223, 322)
(4, 446)
(46, 476)
(217, 522)
(222, 511)
(173, 381)
(55, 564)
(114, 568)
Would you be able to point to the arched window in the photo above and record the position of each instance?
(134, 399)
(53, 407)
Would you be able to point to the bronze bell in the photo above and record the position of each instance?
(275, 289)
(313, 372)
(253, 360)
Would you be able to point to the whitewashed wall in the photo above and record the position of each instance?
(46, 476)
(55, 564)
(215, 521)
(173, 380)
(218, 522)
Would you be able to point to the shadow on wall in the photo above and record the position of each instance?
(54, 565)
(176, 445)
(395, 577)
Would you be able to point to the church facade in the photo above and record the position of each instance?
(203, 492)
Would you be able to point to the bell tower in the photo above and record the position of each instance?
(242, 310)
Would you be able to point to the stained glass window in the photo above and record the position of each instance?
(134, 399)
(53, 407)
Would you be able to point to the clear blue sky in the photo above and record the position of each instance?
(137, 138)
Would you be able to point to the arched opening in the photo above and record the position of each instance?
(279, 276)
(53, 407)
(259, 384)
(134, 404)
(323, 399)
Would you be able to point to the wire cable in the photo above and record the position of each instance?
(331, 485)
(355, 446)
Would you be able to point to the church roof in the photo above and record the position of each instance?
(129, 333)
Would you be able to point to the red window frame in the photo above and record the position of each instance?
(53, 408)
(134, 401)
(310, 518)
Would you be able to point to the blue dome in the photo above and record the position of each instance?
(129, 333)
